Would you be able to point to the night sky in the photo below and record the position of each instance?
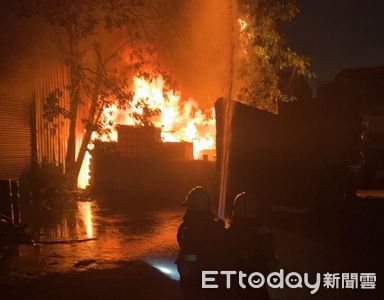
(339, 34)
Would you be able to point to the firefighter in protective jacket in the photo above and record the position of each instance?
(249, 245)
(200, 237)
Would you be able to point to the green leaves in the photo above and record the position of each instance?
(268, 53)
(52, 110)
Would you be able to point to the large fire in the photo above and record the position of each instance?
(180, 120)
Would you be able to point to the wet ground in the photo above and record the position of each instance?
(87, 235)
(89, 250)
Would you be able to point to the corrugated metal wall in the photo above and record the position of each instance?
(15, 136)
(20, 130)
(51, 145)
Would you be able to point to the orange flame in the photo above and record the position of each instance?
(179, 120)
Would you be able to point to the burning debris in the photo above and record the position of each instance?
(190, 129)
(180, 121)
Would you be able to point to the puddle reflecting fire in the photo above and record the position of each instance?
(119, 236)
(85, 214)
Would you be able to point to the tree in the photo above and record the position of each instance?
(95, 78)
(266, 53)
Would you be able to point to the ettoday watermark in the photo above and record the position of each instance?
(293, 280)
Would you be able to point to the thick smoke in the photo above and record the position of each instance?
(194, 42)
(192, 37)
(26, 45)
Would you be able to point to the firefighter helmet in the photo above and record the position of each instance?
(198, 199)
(245, 206)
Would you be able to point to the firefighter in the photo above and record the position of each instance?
(249, 245)
(200, 238)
